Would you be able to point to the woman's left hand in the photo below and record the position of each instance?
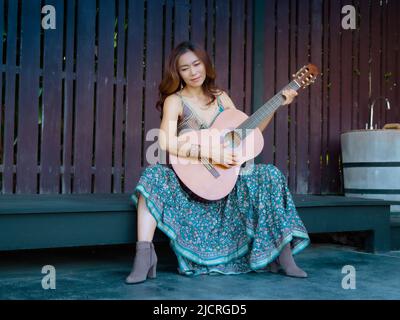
(289, 94)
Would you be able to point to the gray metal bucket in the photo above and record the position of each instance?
(371, 164)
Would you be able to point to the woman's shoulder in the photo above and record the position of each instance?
(173, 97)
(225, 100)
(220, 93)
(173, 102)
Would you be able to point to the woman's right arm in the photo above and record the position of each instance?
(168, 139)
(180, 146)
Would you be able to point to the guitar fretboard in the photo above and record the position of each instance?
(265, 110)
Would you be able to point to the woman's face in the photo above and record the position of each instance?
(191, 69)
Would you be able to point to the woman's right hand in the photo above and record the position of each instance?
(223, 154)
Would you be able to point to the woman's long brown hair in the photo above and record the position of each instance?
(172, 80)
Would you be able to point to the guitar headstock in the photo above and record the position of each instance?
(306, 75)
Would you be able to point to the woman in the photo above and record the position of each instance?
(254, 228)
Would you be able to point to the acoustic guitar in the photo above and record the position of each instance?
(213, 181)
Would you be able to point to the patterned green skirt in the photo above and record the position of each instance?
(243, 232)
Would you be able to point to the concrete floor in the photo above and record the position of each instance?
(99, 273)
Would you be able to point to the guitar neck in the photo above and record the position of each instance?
(266, 110)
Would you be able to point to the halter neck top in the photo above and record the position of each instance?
(190, 119)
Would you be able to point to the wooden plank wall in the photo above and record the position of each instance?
(357, 66)
(78, 101)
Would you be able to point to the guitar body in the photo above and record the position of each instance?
(214, 181)
(216, 184)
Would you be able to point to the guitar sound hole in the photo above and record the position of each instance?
(233, 138)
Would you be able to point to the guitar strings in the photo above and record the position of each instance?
(253, 121)
(266, 109)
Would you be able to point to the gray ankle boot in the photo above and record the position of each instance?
(145, 263)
